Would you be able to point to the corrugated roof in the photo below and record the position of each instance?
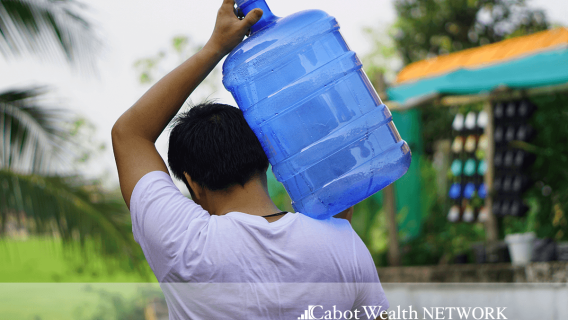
(484, 56)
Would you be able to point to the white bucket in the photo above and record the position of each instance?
(520, 247)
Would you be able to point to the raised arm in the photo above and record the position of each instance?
(136, 131)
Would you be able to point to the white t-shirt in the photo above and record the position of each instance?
(240, 266)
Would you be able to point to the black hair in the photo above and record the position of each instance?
(215, 146)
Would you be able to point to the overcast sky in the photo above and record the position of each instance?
(134, 29)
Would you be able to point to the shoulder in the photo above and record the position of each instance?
(156, 188)
(152, 181)
(332, 225)
(158, 208)
(336, 233)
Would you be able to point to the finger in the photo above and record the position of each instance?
(228, 3)
(252, 17)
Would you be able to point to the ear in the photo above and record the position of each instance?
(195, 187)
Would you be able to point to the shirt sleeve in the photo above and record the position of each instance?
(371, 295)
(163, 221)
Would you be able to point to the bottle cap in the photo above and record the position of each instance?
(499, 111)
(470, 120)
(510, 134)
(458, 122)
(499, 135)
(469, 190)
(454, 214)
(456, 167)
(498, 159)
(510, 112)
(526, 109)
(457, 145)
(482, 120)
(455, 191)
(483, 215)
(470, 143)
(468, 214)
(482, 168)
(469, 167)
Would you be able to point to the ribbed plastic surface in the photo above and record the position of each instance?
(329, 139)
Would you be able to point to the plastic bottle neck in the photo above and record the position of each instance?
(267, 16)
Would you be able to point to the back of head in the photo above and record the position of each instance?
(215, 146)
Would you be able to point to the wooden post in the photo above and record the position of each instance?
(441, 163)
(390, 212)
(389, 203)
(150, 311)
(491, 226)
(381, 85)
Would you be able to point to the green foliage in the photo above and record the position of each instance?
(41, 150)
(549, 195)
(511, 225)
(58, 301)
(150, 69)
(440, 240)
(116, 306)
(71, 208)
(278, 193)
(369, 221)
(146, 67)
(47, 28)
(436, 125)
(547, 198)
(426, 28)
(33, 135)
(34, 259)
(181, 47)
(383, 57)
(39, 139)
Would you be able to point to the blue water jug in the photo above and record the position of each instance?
(329, 138)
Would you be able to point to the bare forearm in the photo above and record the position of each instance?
(148, 117)
(136, 131)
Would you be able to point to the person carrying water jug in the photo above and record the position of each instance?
(229, 253)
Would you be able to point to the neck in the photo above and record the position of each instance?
(252, 198)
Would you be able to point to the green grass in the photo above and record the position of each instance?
(40, 279)
(57, 301)
(46, 260)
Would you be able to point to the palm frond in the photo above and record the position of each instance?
(38, 147)
(34, 139)
(74, 209)
(55, 28)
